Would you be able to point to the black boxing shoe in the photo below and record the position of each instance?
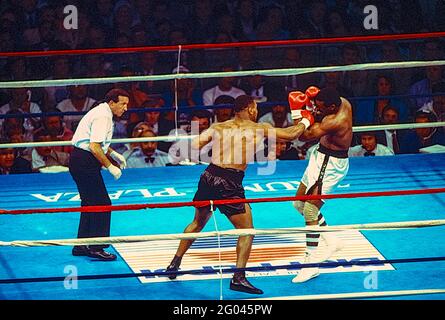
(240, 283)
(80, 251)
(101, 255)
(174, 266)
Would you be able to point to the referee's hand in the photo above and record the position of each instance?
(115, 171)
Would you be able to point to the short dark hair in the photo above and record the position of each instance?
(390, 107)
(40, 133)
(242, 102)
(114, 94)
(426, 115)
(224, 99)
(201, 114)
(368, 133)
(329, 96)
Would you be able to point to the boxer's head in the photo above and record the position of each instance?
(327, 102)
(246, 105)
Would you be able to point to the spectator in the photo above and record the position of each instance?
(78, 101)
(355, 81)
(181, 152)
(333, 79)
(95, 66)
(148, 65)
(224, 114)
(316, 19)
(424, 87)
(336, 26)
(225, 86)
(103, 13)
(137, 96)
(293, 59)
(123, 18)
(29, 12)
(12, 164)
(369, 147)
(437, 106)
(146, 154)
(201, 25)
(370, 111)
(419, 138)
(259, 88)
(283, 151)
(54, 126)
(272, 27)
(225, 24)
(246, 61)
(246, 20)
(135, 131)
(43, 157)
(21, 102)
(279, 117)
(95, 38)
(15, 126)
(390, 138)
(61, 69)
(182, 94)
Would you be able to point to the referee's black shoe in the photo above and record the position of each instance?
(101, 255)
(80, 251)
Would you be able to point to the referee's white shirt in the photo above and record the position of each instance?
(96, 126)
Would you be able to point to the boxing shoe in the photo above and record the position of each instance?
(306, 274)
(174, 266)
(333, 245)
(240, 283)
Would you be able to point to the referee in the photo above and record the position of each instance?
(91, 143)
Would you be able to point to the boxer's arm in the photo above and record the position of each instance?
(203, 139)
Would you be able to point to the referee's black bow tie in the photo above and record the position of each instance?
(149, 159)
(367, 154)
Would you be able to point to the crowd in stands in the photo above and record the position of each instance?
(387, 96)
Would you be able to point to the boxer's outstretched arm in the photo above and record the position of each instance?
(204, 138)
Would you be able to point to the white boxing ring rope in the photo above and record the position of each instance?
(172, 138)
(226, 233)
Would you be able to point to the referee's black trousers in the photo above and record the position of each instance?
(86, 172)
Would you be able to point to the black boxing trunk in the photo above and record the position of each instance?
(218, 183)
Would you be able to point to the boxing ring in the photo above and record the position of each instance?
(150, 186)
(389, 212)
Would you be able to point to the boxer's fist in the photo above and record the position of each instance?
(297, 102)
(311, 93)
(307, 118)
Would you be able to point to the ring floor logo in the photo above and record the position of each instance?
(154, 256)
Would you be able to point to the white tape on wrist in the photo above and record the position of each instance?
(305, 122)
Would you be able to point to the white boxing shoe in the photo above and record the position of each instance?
(333, 245)
(306, 274)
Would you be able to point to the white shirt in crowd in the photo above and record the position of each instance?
(380, 150)
(137, 159)
(209, 96)
(67, 106)
(96, 126)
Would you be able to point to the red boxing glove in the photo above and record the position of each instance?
(297, 101)
(311, 93)
(308, 118)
